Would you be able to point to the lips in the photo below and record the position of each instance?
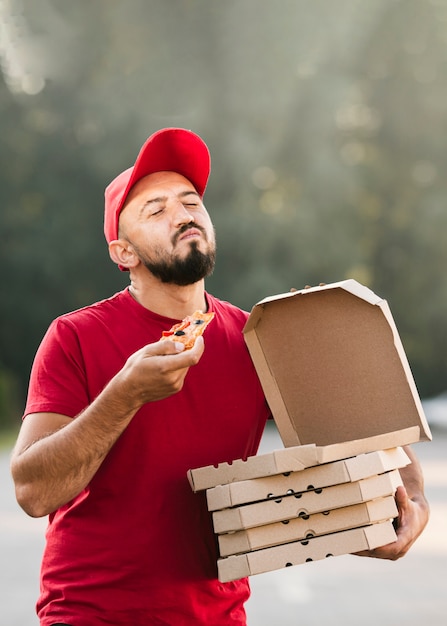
(191, 232)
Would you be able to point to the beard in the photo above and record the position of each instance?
(174, 270)
(195, 266)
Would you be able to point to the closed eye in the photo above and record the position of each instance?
(190, 198)
(156, 211)
(152, 207)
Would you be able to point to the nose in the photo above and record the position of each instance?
(181, 215)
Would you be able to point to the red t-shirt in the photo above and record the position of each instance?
(137, 546)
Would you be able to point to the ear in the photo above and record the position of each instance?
(122, 253)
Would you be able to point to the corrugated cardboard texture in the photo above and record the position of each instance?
(277, 557)
(335, 473)
(305, 503)
(303, 528)
(332, 366)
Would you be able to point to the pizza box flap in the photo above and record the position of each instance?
(333, 367)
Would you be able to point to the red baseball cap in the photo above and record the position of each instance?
(169, 149)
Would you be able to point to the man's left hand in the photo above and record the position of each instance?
(413, 518)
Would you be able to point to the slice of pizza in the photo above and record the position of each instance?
(189, 329)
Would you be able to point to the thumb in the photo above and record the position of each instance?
(403, 503)
(169, 346)
(402, 499)
(162, 348)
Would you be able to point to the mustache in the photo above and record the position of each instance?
(186, 227)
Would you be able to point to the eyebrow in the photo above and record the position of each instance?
(182, 194)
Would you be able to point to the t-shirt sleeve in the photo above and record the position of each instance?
(58, 381)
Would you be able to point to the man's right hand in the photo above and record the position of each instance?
(157, 371)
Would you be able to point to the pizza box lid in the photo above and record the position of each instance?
(333, 367)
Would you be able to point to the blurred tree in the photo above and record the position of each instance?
(399, 195)
(325, 123)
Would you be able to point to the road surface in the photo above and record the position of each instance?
(344, 591)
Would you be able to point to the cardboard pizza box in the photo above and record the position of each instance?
(295, 553)
(338, 381)
(276, 462)
(325, 475)
(292, 459)
(305, 503)
(333, 368)
(301, 528)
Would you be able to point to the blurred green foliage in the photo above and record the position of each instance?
(326, 124)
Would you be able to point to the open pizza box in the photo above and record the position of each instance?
(336, 377)
(333, 368)
(339, 385)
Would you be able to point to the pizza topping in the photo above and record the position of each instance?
(189, 329)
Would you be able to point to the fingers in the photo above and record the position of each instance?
(410, 523)
(164, 347)
(168, 348)
(197, 350)
(158, 370)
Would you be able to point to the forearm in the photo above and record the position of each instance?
(55, 457)
(55, 468)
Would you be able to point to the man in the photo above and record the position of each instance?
(115, 418)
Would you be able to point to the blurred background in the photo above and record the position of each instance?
(327, 127)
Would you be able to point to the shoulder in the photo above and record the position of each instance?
(98, 310)
(86, 321)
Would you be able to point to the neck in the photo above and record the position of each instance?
(168, 300)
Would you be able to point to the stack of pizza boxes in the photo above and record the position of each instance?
(342, 395)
